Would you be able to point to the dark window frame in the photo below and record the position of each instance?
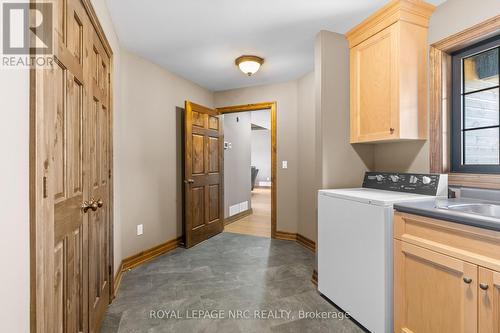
(457, 117)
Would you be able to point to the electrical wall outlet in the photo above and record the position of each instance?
(284, 164)
(140, 229)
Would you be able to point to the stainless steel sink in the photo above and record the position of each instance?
(476, 208)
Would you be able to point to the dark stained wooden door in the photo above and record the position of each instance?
(204, 180)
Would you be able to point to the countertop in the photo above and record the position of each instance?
(430, 208)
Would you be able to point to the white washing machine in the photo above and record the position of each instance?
(355, 242)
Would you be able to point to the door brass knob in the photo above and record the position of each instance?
(100, 203)
(85, 206)
(93, 205)
(189, 181)
(483, 286)
(90, 204)
(467, 280)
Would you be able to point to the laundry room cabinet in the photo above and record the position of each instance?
(388, 74)
(446, 277)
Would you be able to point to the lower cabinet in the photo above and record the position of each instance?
(433, 292)
(489, 300)
(446, 277)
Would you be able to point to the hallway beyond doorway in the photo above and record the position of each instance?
(259, 222)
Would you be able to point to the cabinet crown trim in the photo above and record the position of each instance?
(413, 11)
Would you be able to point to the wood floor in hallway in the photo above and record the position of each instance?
(259, 223)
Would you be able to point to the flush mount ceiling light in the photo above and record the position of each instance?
(249, 64)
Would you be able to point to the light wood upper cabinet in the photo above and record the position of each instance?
(388, 73)
(446, 277)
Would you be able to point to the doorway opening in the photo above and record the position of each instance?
(203, 170)
(250, 169)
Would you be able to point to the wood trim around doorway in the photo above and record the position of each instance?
(274, 161)
(441, 100)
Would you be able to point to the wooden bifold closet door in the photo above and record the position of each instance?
(76, 120)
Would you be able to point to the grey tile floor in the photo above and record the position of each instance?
(261, 277)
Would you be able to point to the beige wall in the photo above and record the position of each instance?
(337, 163)
(285, 94)
(149, 155)
(449, 18)
(340, 164)
(307, 225)
(456, 15)
(402, 156)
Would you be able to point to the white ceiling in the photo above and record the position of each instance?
(199, 39)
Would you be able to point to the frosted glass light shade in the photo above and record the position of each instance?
(249, 64)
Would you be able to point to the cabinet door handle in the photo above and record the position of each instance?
(392, 129)
(483, 286)
(467, 280)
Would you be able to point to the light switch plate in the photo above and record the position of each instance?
(284, 164)
(139, 229)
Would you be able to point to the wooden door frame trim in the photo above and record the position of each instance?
(272, 106)
(41, 237)
(440, 102)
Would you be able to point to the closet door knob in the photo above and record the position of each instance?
(86, 206)
(467, 280)
(483, 286)
(90, 204)
(93, 205)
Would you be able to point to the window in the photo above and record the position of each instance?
(475, 115)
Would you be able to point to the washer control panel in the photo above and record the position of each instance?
(425, 184)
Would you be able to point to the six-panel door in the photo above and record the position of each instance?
(204, 174)
(79, 106)
(99, 125)
(68, 76)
